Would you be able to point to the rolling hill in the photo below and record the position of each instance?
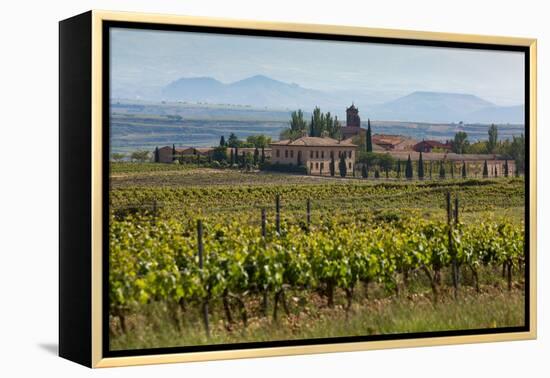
(264, 92)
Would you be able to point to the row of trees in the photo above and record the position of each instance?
(386, 163)
(513, 149)
(319, 125)
(258, 141)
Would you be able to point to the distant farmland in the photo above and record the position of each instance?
(140, 125)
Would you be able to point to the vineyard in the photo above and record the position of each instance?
(247, 262)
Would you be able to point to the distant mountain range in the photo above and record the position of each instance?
(262, 91)
(447, 107)
(258, 91)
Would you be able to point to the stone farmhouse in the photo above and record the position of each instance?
(315, 153)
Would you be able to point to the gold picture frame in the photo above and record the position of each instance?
(87, 32)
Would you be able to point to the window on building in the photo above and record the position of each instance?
(331, 154)
(322, 154)
(311, 166)
(349, 165)
(322, 166)
(277, 153)
(316, 165)
(350, 154)
(311, 154)
(286, 153)
(316, 154)
(291, 153)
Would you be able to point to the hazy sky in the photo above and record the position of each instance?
(147, 60)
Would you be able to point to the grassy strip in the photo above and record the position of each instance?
(154, 326)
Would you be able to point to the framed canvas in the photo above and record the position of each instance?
(234, 189)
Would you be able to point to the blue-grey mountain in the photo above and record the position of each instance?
(264, 92)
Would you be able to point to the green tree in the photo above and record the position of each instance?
(334, 127)
(364, 171)
(232, 157)
(441, 170)
(493, 139)
(117, 156)
(479, 148)
(248, 160)
(464, 173)
(369, 137)
(233, 141)
(222, 141)
(297, 126)
(420, 167)
(485, 170)
(517, 152)
(409, 169)
(262, 159)
(258, 141)
(140, 156)
(342, 166)
(317, 122)
(376, 174)
(398, 170)
(460, 142)
(156, 155)
(385, 161)
(220, 153)
(332, 165)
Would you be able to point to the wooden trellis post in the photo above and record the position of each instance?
(308, 213)
(263, 223)
(451, 249)
(201, 266)
(278, 213)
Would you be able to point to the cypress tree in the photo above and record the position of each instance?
(332, 165)
(420, 167)
(157, 155)
(342, 165)
(256, 155)
(369, 137)
(387, 172)
(222, 141)
(464, 170)
(173, 152)
(231, 157)
(485, 170)
(409, 169)
(262, 159)
(398, 168)
(237, 156)
(506, 169)
(496, 171)
(376, 174)
(364, 172)
(441, 170)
